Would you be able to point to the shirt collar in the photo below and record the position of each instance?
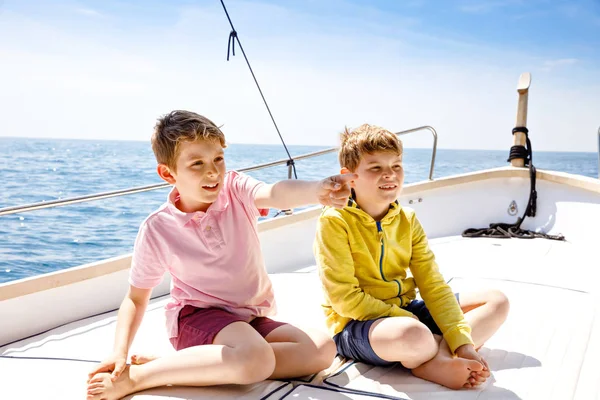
(183, 218)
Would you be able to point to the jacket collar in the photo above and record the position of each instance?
(353, 207)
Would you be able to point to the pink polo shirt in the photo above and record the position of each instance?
(214, 257)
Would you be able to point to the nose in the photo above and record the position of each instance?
(388, 173)
(213, 169)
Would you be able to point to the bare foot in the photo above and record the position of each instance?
(477, 378)
(101, 387)
(142, 359)
(449, 371)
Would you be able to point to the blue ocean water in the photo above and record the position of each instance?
(47, 240)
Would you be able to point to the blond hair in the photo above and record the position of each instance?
(181, 126)
(367, 139)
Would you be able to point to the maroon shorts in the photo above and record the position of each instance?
(198, 326)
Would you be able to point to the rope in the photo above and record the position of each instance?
(233, 36)
(504, 230)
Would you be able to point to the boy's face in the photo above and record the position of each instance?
(380, 179)
(199, 175)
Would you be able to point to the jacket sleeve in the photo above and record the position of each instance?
(436, 293)
(336, 270)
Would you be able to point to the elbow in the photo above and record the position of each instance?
(348, 306)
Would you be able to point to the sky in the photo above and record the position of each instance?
(108, 69)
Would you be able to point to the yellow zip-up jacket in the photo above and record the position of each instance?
(364, 267)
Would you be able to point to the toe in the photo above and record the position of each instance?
(474, 365)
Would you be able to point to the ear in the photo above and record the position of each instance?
(345, 170)
(165, 173)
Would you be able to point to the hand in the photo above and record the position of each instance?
(115, 364)
(468, 351)
(477, 377)
(335, 190)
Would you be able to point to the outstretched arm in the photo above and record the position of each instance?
(331, 191)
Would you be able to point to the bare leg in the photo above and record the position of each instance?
(300, 353)
(485, 311)
(238, 355)
(410, 342)
(297, 353)
(402, 339)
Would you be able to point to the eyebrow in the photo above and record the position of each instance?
(377, 162)
(194, 156)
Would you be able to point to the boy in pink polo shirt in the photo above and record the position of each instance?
(206, 237)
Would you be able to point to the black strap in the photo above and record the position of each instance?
(233, 36)
(231, 43)
(503, 230)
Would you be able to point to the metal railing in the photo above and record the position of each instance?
(106, 195)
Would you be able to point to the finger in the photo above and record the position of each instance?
(485, 364)
(330, 184)
(340, 195)
(95, 391)
(338, 181)
(118, 369)
(338, 205)
(98, 369)
(95, 386)
(95, 379)
(344, 178)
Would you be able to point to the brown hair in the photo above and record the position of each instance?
(181, 126)
(366, 139)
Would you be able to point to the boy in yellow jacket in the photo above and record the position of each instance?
(364, 253)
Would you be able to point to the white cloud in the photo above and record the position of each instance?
(561, 62)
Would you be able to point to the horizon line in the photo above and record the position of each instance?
(298, 145)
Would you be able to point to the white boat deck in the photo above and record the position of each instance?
(547, 349)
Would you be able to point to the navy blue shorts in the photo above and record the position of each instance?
(353, 341)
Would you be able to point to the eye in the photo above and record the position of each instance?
(219, 159)
(397, 166)
(375, 168)
(197, 163)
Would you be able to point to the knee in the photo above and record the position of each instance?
(418, 337)
(325, 352)
(255, 362)
(319, 350)
(499, 304)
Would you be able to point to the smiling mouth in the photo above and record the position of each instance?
(211, 187)
(389, 186)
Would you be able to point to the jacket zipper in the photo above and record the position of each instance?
(380, 233)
